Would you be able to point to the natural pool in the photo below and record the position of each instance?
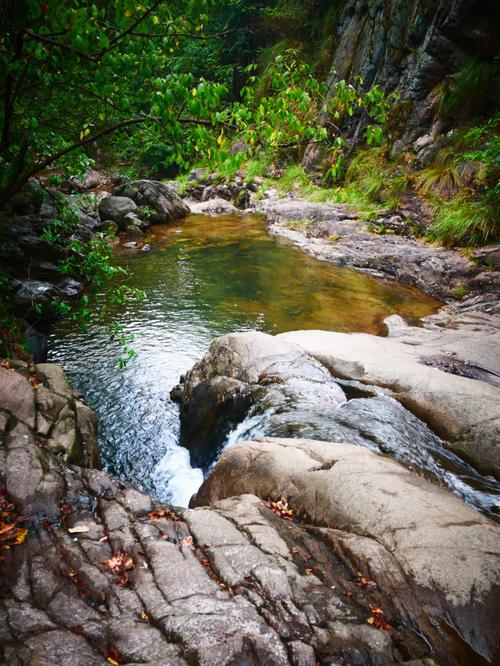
(206, 276)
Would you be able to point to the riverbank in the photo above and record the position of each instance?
(468, 281)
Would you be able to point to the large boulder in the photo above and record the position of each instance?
(165, 203)
(115, 208)
(252, 384)
(42, 399)
(432, 374)
(251, 376)
(441, 556)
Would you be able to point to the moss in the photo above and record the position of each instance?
(298, 224)
(334, 238)
(460, 291)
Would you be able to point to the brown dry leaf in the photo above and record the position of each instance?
(10, 533)
(295, 550)
(362, 581)
(309, 571)
(377, 620)
(376, 611)
(281, 508)
(187, 541)
(119, 564)
(7, 528)
(20, 535)
(165, 514)
(5, 363)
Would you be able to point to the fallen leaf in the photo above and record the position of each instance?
(376, 611)
(165, 514)
(362, 581)
(281, 508)
(187, 541)
(377, 620)
(119, 564)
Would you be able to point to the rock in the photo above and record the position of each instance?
(420, 532)
(133, 231)
(90, 180)
(87, 220)
(251, 384)
(104, 572)
(271, 193)
(488, 256)
(115, 208)
(212, 207)
(200, 176)
(17, 396)
(133, 219)
(109, 227)
(37, 343)
(465, 412)
(163, 200)
(31, 292)
(29, 200)
(69, 288)
(174, 185)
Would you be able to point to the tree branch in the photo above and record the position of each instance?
(18, 181)
(64, 47)
(134, 25)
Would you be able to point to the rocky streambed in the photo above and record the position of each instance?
(364, 562)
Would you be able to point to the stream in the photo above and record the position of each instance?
(204, 277)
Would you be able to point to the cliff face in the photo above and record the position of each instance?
(413, 46)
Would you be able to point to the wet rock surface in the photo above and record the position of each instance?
(403, 395)
(99, 573)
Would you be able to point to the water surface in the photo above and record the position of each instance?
(203, 277)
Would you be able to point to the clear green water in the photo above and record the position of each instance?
(206, 276)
